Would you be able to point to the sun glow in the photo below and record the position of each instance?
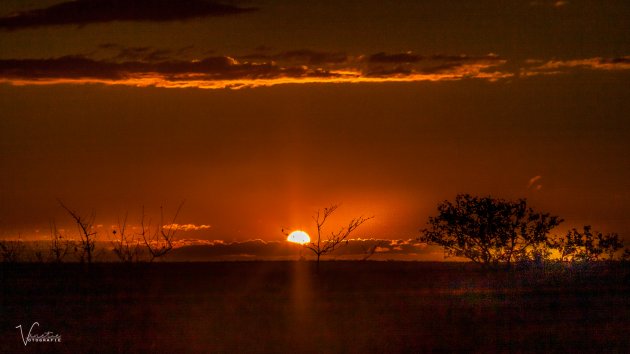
(299, 236)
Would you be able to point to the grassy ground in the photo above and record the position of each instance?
(353, 307)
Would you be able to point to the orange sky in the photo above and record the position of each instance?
(385, 109)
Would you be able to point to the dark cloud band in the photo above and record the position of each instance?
(144, 66)
(195, 250)
(83, 12)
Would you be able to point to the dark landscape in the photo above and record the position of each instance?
(349, 306)
(294, 176)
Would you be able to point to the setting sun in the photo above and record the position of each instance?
(298, 236)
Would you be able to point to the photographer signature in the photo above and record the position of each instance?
(47, 337)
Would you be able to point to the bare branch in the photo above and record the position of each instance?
(11, 250)
(126, 247)
(160, 241)
(335, 239)
(59, 246)
(86, 232)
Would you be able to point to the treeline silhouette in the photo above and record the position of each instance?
(150, 243)
(497, 233)
(494, 233)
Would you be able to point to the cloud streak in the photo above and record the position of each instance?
(203, 250)
(556, 67)
(533, 180)
(554, 3)
(186, 227)
(84, 12)
(149, 67)
(534, 183)
(305, 56)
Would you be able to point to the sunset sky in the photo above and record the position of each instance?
(257, 113)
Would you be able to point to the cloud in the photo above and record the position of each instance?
(180, 68)
(83, 12)
(382, 57)
(273, 250)
(116, 53)
(382, 64)
(144, 66)
(547, 3)
(186, 227)
(555, 67)
(409, 57)
(305, 56)
(199, 250)
(142, 54)
(533, 180)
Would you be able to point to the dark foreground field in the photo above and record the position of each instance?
(354, 307)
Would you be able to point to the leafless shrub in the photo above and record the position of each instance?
(159, 241)
(335, 239)
(39, 256)
(59, 246)
(11, 250)
(125, 246)
(86, 232)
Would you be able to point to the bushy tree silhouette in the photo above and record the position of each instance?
(488, 231)
(586, 245)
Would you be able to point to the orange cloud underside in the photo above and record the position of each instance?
(342, 77)
(227, 72)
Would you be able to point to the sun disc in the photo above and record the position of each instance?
(299, 236)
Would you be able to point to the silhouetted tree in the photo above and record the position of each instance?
(610, 244)
(586, 245)
(159, 242)
(126, 247)
(486, 230)
(536, 257)
(335, 239)
(86, 233)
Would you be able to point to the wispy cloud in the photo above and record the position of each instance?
(534, 183)
(533, 180)
(143, 66)
(186, 227)
(201, 250)
(305, 56)
(410, 57)
(554, 67)
(408, 63)
(549, 3)
(383, 57)
(83, 12)
(191, 249)
(112, 64)
(136, 53)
